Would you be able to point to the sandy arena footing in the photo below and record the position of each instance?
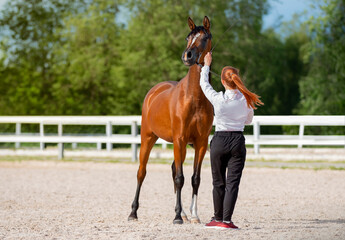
(91, 200)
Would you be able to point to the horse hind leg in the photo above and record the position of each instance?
(183, 214)
(148, 141)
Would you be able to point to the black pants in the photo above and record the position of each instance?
(228, 151)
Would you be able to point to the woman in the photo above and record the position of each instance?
(233, 109)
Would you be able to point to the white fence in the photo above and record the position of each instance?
(109, 138)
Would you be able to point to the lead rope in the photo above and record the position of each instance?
(224, 34)
(210, 70)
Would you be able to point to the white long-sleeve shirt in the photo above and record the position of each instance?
(230, 108)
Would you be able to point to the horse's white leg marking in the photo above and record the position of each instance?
(184, 215)
(194, 209)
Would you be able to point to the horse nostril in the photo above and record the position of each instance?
(189, 55)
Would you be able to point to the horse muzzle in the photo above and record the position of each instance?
(189, 57)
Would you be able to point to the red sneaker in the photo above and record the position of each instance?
(231, 225)
(216, 224)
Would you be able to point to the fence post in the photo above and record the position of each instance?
(109, 132)
(74, 145)
(99, 146)
(134, 133)
(301, 133)
(256, 132)
(18, 132)
(60, 144)
(42, 135)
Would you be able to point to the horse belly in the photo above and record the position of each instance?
(160, 120)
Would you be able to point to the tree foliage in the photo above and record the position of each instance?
(28, 37)
(87, 62)
(78, 57)
(322, 90)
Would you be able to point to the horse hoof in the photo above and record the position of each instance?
(195, 220)
(178, 221)
(132, 217)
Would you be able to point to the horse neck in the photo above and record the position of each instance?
(193, 82)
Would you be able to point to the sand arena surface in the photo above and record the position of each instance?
(75, 200)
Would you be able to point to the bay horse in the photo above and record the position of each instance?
(179, 112)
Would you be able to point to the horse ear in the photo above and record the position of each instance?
(206, 23)
(191, 24)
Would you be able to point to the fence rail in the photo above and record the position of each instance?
(109, 138)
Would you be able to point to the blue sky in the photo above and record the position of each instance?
(283, 8)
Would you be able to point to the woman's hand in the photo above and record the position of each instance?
(208, 59)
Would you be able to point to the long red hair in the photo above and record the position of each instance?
(230, 76)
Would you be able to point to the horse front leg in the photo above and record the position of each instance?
(200, 150)
(179, 154)
(183, 214)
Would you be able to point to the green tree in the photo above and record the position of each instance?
(87, 63)
(156, 33)
(76, 57)
(267, 62)
(27, 39)
(322, 90)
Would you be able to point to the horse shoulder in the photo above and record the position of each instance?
(162, 87)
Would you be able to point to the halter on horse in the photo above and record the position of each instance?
(179, 112)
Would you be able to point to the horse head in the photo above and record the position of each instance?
(198, 43)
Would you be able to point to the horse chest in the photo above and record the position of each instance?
(188, 107)
(194, 113)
